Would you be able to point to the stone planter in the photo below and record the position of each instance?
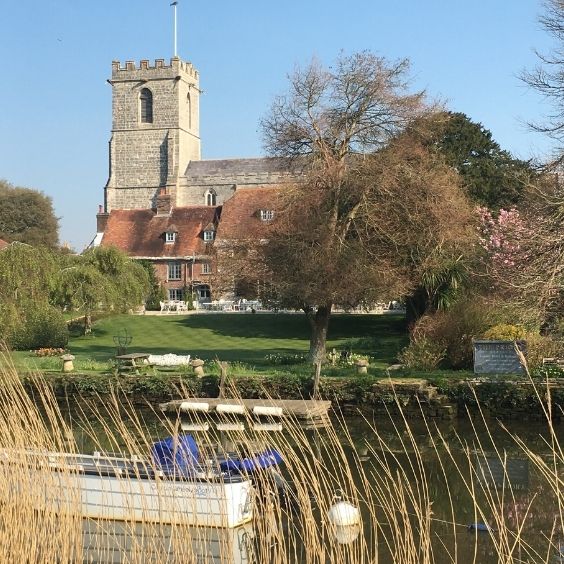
(67, 359)
(361, 367)
(198, 367)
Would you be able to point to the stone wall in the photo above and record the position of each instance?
(195, 195)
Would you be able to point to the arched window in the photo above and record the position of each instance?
(211, 198)
(146, 106)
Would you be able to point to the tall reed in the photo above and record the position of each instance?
(388, 476)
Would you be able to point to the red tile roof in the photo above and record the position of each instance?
(3, 244)
(240, 216)
(140, 233)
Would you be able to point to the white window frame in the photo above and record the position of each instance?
(206, 268)
(170, 237)
(266, 215)
(174, 268)
(175, 294)
(209, 235)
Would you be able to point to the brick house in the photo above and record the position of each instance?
(3, 244)
(162, 202)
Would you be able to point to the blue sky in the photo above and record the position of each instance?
(56, 56)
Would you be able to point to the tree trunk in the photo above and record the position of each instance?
(87, 323)
(416, 305)
(319, 322)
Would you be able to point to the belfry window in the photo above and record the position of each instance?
(146, 106)
(211, 198)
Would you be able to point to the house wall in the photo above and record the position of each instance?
(190, 273)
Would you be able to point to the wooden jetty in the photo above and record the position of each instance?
(311, 412)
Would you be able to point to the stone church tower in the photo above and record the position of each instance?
(155, 131)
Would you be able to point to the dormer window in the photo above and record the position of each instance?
(170, 234)
(266, 215)
(209, 235)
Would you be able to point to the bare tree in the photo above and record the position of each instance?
(374, 208)
(548, 76)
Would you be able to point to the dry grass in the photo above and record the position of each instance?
(393, 490)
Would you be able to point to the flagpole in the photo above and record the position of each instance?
(174, 4)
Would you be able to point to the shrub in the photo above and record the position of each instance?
(455, 329)
(282, 359)
(42, 326)
(545, 371)
(539, 347)
(49, 352)
(422, 354)
(505, 332)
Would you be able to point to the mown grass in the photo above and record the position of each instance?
(237, 338)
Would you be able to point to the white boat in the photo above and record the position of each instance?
(113, 542)
(170, 489)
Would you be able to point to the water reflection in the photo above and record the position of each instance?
(464, 464)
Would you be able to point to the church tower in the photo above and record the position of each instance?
(155, 131)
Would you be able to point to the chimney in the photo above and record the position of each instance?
(163, 202)
(101, 220)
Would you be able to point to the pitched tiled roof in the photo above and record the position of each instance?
(140, 233)
(240, 216)
(3, 244)
(265, 170)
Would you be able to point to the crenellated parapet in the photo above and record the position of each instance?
(130, 70)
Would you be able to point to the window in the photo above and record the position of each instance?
(174, 271)
(206, 268)
(211, 198)
(209, 235)
(204, 293)
(175, 295)
(146, 106)
(267, 215)
(170, 237)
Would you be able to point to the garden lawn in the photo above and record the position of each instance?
(242, 337)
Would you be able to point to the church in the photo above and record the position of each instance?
(162, 202)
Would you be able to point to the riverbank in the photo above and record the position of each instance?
(507, 398)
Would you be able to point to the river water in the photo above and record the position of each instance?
(461, 460)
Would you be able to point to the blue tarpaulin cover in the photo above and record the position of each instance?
(180, 456)
(180, 452)
(268, 458)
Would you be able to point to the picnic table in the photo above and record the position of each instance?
(132, 362)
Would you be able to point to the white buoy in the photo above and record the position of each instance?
(343, 514)
(348, 534)
(268, 410)
(188, 406)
